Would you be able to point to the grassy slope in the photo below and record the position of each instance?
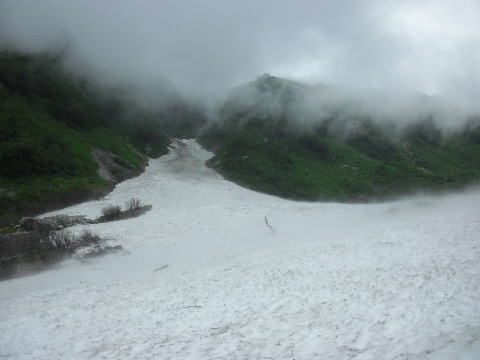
(259, 146)
(45, 164)
(48, 126)
(340, 171)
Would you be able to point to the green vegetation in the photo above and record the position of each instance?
(49, 124)
(262, 149)
(52, 124)
(32, 251)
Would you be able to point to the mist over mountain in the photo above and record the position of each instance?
(206, 48)
(365, 100)
(307, 106)
(212, 213)
(305, 142)
(66, 138)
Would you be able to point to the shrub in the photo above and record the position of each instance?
(41, 246)
(8, 256)
(111, 212)
(63, 239)
(45, 247)
(88, 238)
(95, 245)
(133, 204)
(8, 267)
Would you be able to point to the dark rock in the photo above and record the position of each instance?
(57, 222)
(30, 224)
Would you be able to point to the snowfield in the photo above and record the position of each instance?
(216, 271)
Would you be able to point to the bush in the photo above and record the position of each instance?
(41, 246)
(8, 256)
(45, 247)
(111, 212)
(88, 238)
(95, 245)
(133, 204)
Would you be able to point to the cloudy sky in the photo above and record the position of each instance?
(208, 46)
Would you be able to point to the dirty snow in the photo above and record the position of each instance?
(206, 278)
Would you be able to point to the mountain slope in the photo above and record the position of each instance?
(54, 128)
(270, 139)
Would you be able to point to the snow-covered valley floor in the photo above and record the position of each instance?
(206, 278)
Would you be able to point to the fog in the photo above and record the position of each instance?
(207, 47)
(340, 110)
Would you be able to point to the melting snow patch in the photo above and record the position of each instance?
(251, 276)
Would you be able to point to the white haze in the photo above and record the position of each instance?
(207, 47)
(309, 106)
(396, 109)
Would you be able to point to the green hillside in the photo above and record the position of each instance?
(269, 138)
(261, 146)
(50, 122)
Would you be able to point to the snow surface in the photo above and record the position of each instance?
(206, 278)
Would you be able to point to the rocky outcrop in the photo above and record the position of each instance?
(105, 163)
(113, 169)
(57, 222)
(60, 222)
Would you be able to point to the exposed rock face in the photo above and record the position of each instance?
(105, 164)
(113, 169)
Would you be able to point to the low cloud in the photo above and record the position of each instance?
(207, 47)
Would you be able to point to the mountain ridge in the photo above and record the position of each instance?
(272, 135)
(334, 151)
